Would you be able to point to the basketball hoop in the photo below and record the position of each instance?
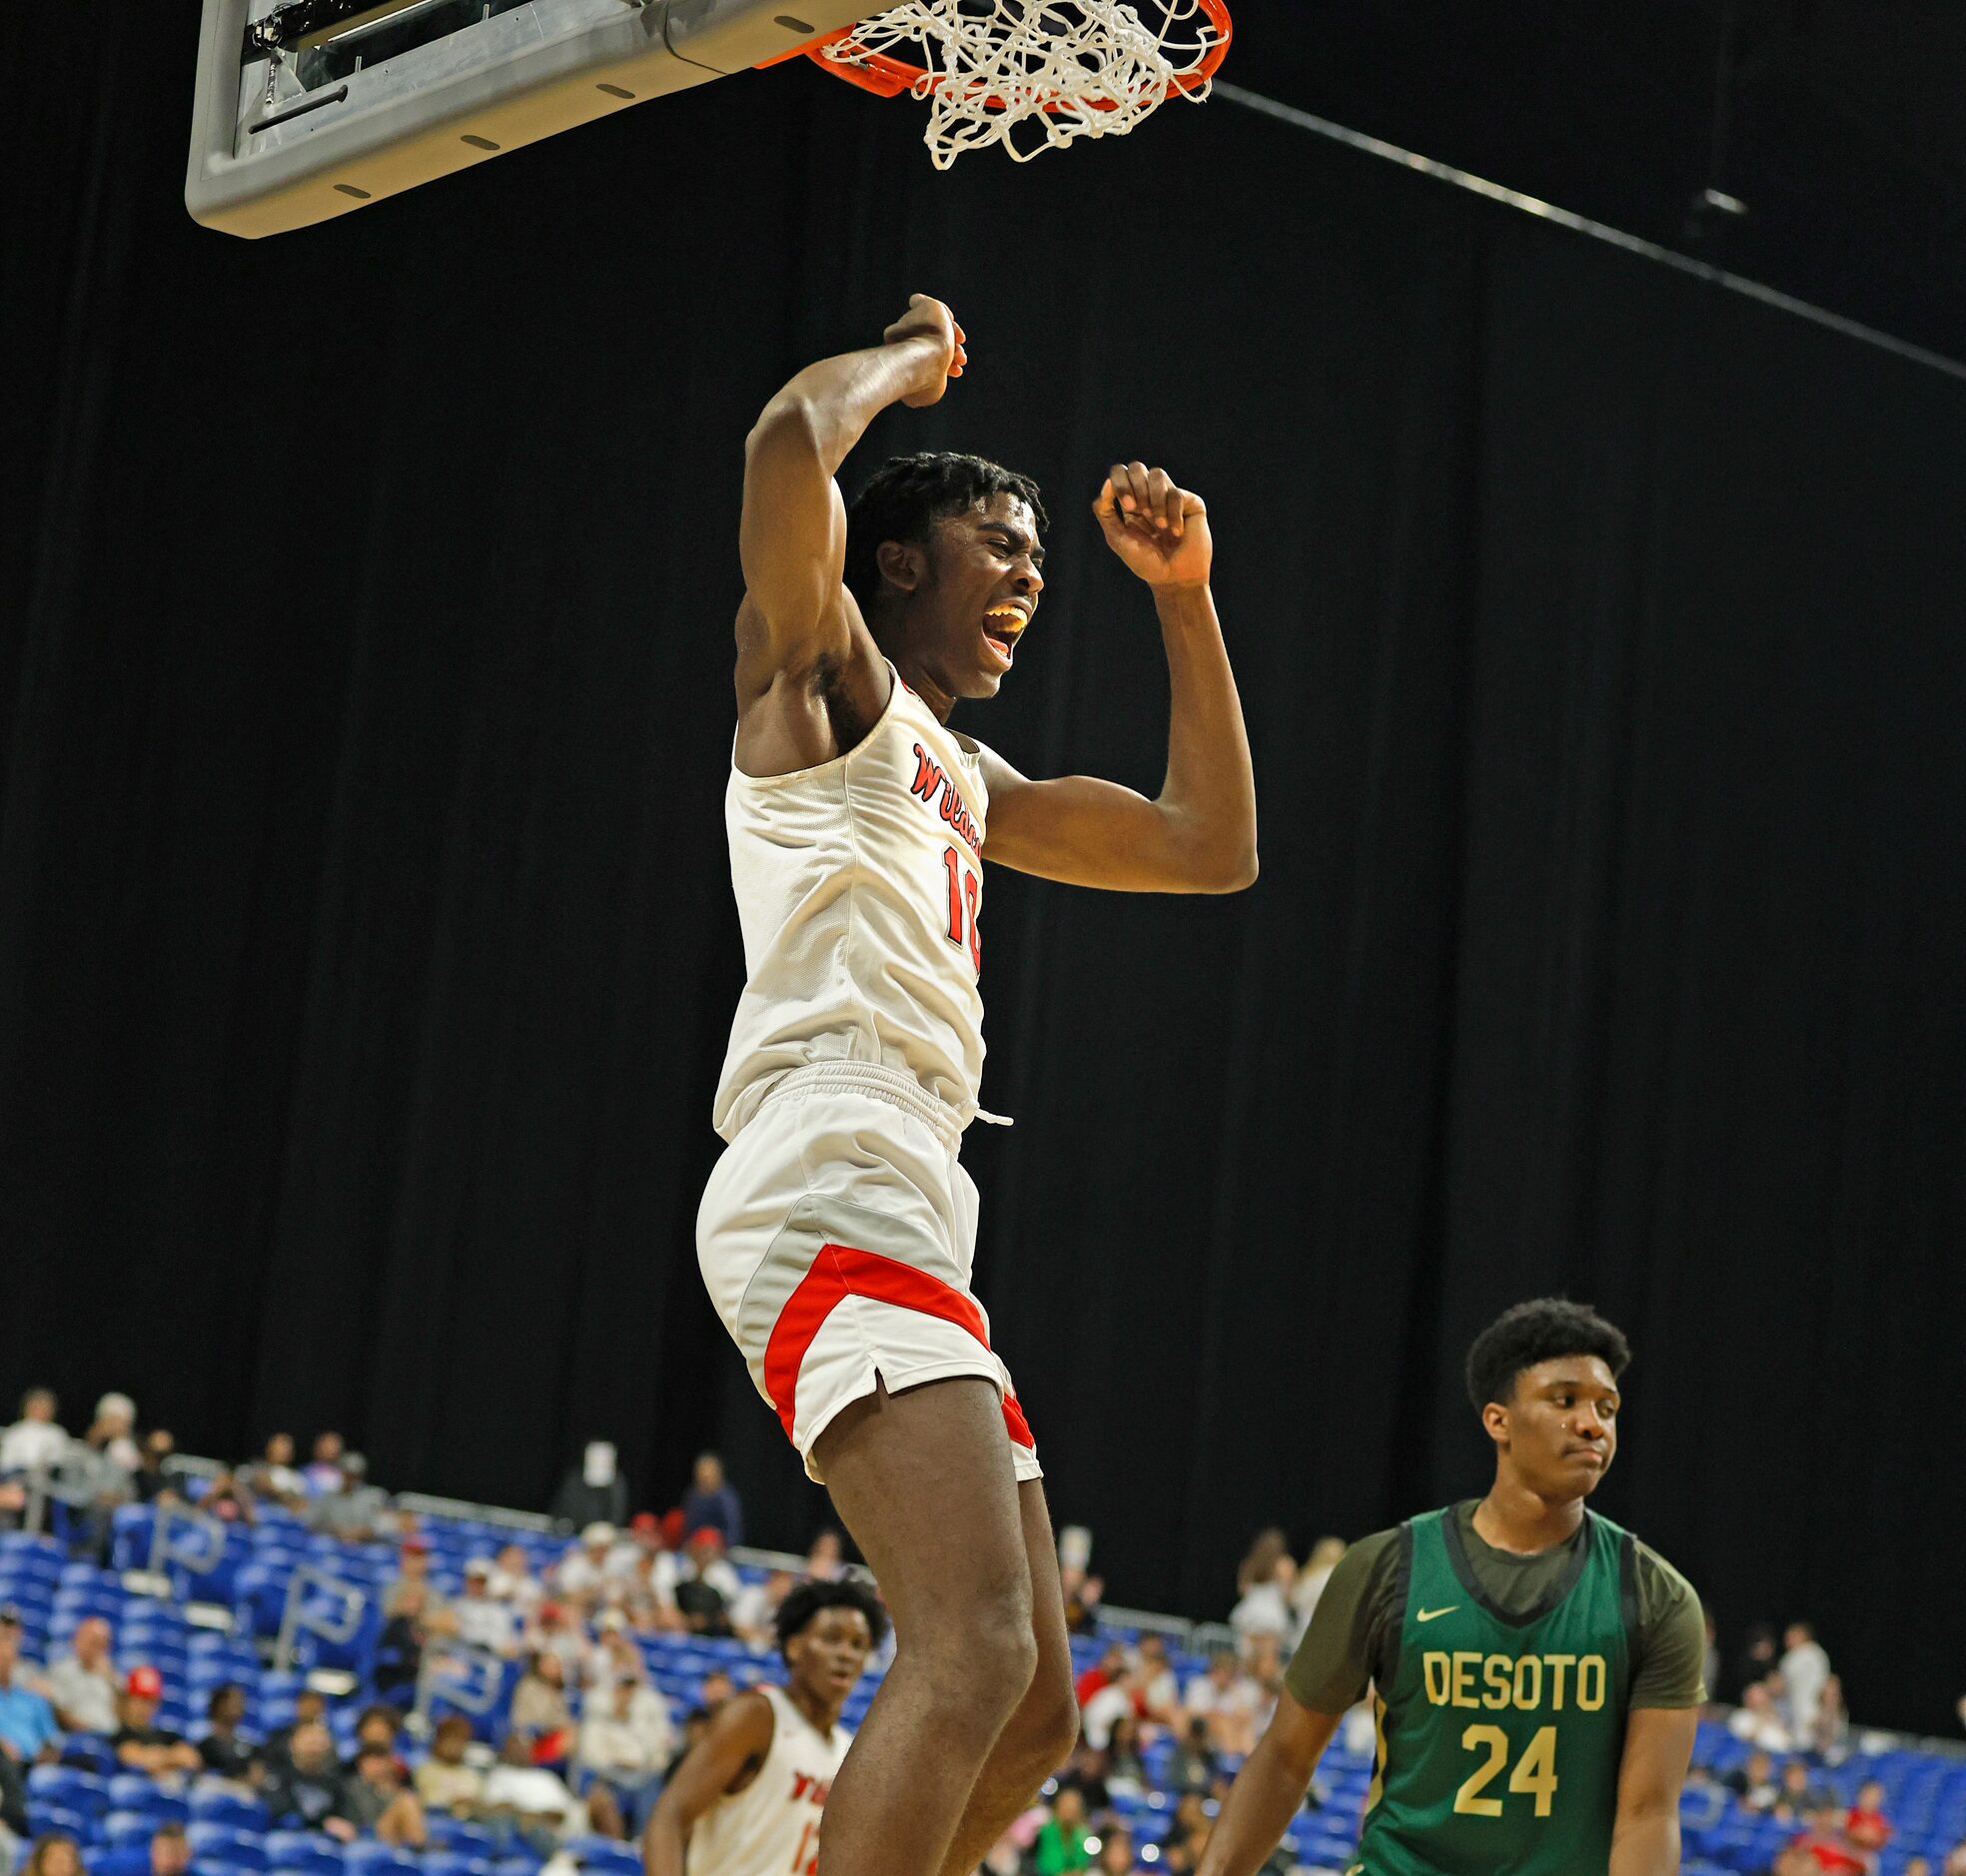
(988, 69)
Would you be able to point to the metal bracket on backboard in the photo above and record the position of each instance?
(309, 109)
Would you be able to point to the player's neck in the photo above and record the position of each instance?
(1515, 1517)
(940, 701)
(823, 1714)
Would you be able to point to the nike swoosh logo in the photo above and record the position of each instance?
(1427, 1616)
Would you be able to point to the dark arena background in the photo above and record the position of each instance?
(366, 944)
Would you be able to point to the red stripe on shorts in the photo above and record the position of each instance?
(839, 1272)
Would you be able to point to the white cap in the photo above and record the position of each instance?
(116, 1404)
(598, 1534)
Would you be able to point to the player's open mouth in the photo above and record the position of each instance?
(1002, 627)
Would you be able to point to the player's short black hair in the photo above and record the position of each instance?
(804, 1603)
(908, 495)
(1544, 1329)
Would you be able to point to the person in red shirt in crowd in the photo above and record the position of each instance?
(1866, 1826)
(1822, 1850)
(1107, 1670)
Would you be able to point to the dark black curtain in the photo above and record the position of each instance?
(365, 946)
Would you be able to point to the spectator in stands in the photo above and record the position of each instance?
(28, 1731)
(155, 1483)
(376, 1800)
(825, 1563)
(413, 1571)
(1092, 1681)
(13, 1808)
(114, 1429)
(1159, 1704)
(539, 1709)
(1126, 1771)
(1115, 1851)
(553, 1634)
(582, 1576)
(1866, 1824)
(323, 1472)
(140, 1744)
(1259, 1564)
(35, 1442)
(226, 1496)
(1326, 1555)
(82, 1685)
(1192, 1765)
(1804, 1668)
(1265, 1607)
(627, 1741)
(352, 1510)
(1830, 1738)
(1755, 1783)
(446, 1780)
(1085, 1772)
(272, 1475)
(1757, 1659)
(224, 1751)
(169, 1850)
(478, 1618)
(1824, 1847)
(379, 1724)
(1800, 1796)
(1082, 1595)
(754, 1612)
(712, 1502)
(400, 1647)
(531, 1801)
(594, 1492)
(54, 1854)
(1117, 1699)
(717, 1687)
(513, 1582)
(708, 1587)
(1061, 1846)
(1228, 1700)
(1187, 1834)
(310, 1709)
(309, 1791)
(613, 1655)
(1757, 1721)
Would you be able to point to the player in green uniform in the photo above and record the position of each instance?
(1537, 1669)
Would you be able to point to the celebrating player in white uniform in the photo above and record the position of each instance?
(748, 1800)
(837, 1230)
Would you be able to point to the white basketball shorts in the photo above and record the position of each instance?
(836, 1237)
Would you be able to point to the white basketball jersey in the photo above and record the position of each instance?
(771, 1827)
(858, 886)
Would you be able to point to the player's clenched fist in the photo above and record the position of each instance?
(944, 356)
(1158, 528)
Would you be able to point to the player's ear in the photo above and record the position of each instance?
(902, 563)
(1495, 1422)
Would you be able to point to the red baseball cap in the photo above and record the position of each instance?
(144, 1683)
(646, 1520)
(413, 1545)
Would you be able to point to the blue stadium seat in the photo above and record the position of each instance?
(449, 1863)
(366, 1858)
(230, 1809)
(304, 1853)
(125, 1859)
(605, 1855)
(69, 1788)
(212, 1844)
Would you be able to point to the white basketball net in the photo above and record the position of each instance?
(1070, 68)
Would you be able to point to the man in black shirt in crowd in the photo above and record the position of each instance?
(140, 1744)
(307, 1792)
(223, 1752)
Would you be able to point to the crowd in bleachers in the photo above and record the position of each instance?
(275, 1669)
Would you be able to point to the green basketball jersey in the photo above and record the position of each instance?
(1499, 1736)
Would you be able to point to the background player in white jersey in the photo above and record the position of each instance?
(837, 1231)
(748, 1798)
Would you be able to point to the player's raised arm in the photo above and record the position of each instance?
(738, 1736)
(792, 538)
(1199, 833)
